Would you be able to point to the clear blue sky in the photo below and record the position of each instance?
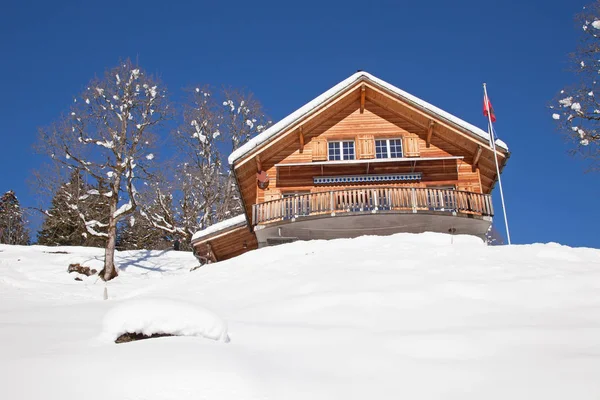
(289, 52)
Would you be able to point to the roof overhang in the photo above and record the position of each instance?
(258, 141)
(220, 228)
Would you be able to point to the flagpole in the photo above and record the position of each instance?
(493, 145)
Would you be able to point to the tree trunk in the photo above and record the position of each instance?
(110, 271)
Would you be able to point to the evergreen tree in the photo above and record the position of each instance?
(63, 225)
(12, 222)
(138, 233)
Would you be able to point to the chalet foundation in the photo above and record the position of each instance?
(364, 158)
(383, 224)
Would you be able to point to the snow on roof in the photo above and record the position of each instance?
(358, 76)
(220, 226)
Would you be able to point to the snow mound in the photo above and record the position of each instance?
(152, 316)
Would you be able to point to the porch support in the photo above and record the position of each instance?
(301, 138)
(430, 133)
(258, 164)
(477, 156)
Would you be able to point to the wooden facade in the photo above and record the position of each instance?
(437, 153)
(230, 242)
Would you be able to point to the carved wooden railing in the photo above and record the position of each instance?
(373, 200)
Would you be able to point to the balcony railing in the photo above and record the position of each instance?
(373, 200)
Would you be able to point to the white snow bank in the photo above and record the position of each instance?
(150, 316)
(371, 317)
(318, 101)
(220, 226)
(43, 269)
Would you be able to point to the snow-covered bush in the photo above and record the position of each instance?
(163, 316)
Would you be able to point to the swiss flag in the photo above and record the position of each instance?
(487, 107)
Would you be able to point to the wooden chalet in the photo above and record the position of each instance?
(364, 158)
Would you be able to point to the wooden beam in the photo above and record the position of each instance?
(477, 156)
(362, 99)
(258, 164)
(471, 137)
(332, 107)
(430, 133)
(210, 253)
(414, 122)
(301, 137)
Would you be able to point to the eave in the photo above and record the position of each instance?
(293, 120)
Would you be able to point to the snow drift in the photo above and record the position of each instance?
(163, 316)
(425, 316)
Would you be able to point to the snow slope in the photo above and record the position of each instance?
(407, 316)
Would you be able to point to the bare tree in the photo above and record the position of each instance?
(243, 119)
(109, 135)
(200, 174)
(202, 189)
(576, 109)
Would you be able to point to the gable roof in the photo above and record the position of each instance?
(340, 87)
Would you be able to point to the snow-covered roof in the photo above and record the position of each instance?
(340, 87)
(220, 226)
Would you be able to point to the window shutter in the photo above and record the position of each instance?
(319, 149)
(366, 146)
(410, 146)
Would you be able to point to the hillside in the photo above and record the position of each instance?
(407, 316)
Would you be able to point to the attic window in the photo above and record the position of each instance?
(342, 150)
(388, 148)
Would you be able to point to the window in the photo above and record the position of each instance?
(388, 148)
(340, 150)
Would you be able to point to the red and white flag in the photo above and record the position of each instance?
(487, 108)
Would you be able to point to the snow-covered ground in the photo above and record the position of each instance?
(405, 316)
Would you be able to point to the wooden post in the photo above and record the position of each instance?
(430, 133)
(301, 138)
(477, 157)
(362, 99)
(331, 206)
(258, 164)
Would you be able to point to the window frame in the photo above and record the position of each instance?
(341, 149)
(388, 148)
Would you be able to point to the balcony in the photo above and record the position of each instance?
(374, 200)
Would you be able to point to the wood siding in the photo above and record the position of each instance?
(363, 114)
(364, 128)
(227, 244)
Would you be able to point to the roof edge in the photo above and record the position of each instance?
(220, 227)
(340, 87)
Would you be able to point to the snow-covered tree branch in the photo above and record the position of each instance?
(576, 109)
(213, 124)
(109, 135)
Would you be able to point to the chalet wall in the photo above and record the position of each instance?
(228, 244)
(350, 124)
